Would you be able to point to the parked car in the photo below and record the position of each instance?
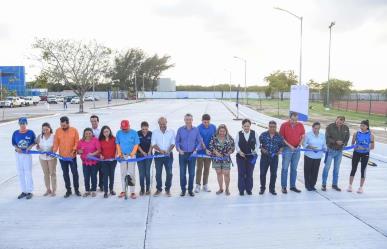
(75, 100)
(11, 102)
(27, 101)
(23, 101)
(35, 99)
(43, 98)
(90, 98)
(59, 98)
(51, 99)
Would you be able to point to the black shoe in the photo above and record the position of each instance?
(105, 195)
(324, 187)
(100, 189)
(284, 191)
(262, 191)
(77, 193)
(294, 189)
(29, 196)
(191, 193)
(112, 192)
(22, 195)
(182, 193)
(241, 193)
(249, 192)
(335, 187)
(273, 192)
(313, 188)
(68, 193)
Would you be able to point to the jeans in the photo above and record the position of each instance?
(289, 158)
(245, 174)
(108, 169)
(100, 175)
(186, 162)
(65, 165)
(335, 155)
(167, 163)
(90, 173)
(266, 162)
(144, 168)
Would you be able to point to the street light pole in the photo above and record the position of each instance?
(329, 62)
(301, 21)
(245, 61)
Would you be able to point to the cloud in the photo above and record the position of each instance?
(213, 20)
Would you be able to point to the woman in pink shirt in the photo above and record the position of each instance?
(89, 146)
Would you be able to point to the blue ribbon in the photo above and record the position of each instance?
(48, 153)
(208, 156)
(129, 160)
(312, 150)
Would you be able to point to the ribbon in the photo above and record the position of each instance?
(128, 160)
(48, 153)
(208, 156)
(313, 150)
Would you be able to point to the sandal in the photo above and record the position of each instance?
(228, 192)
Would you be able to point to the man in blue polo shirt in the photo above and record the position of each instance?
(203, 165)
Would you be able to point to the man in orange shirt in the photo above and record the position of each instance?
(66, 141)
(293, 133)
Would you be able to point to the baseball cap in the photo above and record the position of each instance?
(125, 124)
(23, 120)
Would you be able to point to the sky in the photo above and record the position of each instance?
(203, 36)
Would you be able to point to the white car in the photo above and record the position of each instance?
(90, 98)
(75, 100)
(11, 102)
(59, 98)
(27, 101)
(51, 99)
(35, 99)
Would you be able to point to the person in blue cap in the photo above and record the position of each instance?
(23, 140)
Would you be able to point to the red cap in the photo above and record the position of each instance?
(125, 124)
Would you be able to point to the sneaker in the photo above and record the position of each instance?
(157, 193)
(197, 189)
(360, 190)
(335, 187)
(112, 192)
(22, 195)
(93, 194)
(77, 193)
(105, 195)
(273, 192)
(68, 193)
(182, 193)
(324, 187)
(284, 191)
(29, 196)
(122, 194)
(261, 192)
(133, 196)
(86, 194)
(294, 189)
(168, 193)
(191, 193)
(349, 189)
(220, 191)
(206, 188)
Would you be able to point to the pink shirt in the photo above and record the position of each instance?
(88, 147)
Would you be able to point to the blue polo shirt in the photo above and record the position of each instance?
(127, 140)
(207, 134)
(23, 140)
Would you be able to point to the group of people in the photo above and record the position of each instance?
(198, 148)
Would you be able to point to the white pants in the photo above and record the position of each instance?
(24, 170)
(128, 169)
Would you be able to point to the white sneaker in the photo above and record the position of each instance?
(206, 188)
(349, 189)
(197, 189)
(360, 190)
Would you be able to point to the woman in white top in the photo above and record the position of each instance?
(45, 142)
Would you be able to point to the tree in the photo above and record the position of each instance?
(74, 63)
(337, 89)
(281, 81)
(314, 86)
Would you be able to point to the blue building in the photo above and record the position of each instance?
(12, 78)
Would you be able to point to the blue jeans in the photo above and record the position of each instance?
(289, 158)
(90, 173)
(335, 155)
(66, 165)
(184, 163)
(144, 168)
(167, 163)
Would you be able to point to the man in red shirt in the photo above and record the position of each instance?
(293, 133)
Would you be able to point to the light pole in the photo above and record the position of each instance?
(245, 61)
(301, 19)
(229, 81)
(329, 63)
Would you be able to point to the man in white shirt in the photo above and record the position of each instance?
(94, 121)
(163, 142)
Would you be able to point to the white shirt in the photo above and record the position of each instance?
(246, 135)
(96, 132)
(163, 140)
(46, 145)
